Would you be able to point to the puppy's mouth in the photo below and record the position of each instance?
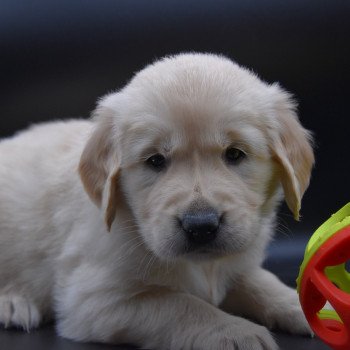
(210, 251)
(225, 244)
(227, 240)
(216, 249)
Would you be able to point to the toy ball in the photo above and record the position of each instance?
(323, 278)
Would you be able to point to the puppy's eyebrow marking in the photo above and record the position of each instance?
(143, 140)
(250, 138)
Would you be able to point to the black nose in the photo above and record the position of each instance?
(201, 226)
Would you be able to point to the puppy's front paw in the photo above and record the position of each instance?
(288, 316)
(19, 312)
(292, 320)
(239, 334)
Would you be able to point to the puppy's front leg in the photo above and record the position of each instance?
(263, 297)
(161, 319)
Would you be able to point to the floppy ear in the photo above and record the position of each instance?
(292, 150)
(99, 165)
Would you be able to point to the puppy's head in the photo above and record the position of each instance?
(199, 148)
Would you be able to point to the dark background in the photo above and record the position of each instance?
(58, 57)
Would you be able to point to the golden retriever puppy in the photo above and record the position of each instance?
(149, 223)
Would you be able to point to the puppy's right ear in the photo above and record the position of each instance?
(99, 166)
(292, 151)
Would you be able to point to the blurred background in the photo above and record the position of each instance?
(58, 57)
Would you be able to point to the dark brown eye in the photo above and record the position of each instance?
(156, 162)
(234, 155)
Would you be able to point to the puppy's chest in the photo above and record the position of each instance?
(209, 283)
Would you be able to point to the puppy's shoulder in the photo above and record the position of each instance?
(57, 127)
(49, 132)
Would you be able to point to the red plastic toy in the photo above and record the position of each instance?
(323, 277)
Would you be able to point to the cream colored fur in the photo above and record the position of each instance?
(89, 233)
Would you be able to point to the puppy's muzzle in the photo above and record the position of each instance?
(201, 226)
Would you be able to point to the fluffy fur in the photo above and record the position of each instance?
(90, 233)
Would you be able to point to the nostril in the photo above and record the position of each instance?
(201, 226)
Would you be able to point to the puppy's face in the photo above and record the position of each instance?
(193, 142)
(196, 181)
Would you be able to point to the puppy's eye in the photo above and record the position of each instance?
(156, 162)
(234, 155)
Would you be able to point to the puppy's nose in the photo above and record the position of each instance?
(201, 226)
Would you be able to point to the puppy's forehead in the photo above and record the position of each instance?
(190, 85)
(199, 99)
(197, 77)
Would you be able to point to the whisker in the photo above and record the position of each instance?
(283, 229)
(148, 253)
(131, 249)
(149, 267)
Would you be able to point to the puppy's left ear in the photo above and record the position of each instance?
(292, 150)
(99, 165)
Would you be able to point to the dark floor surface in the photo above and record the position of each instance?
(46, 339)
